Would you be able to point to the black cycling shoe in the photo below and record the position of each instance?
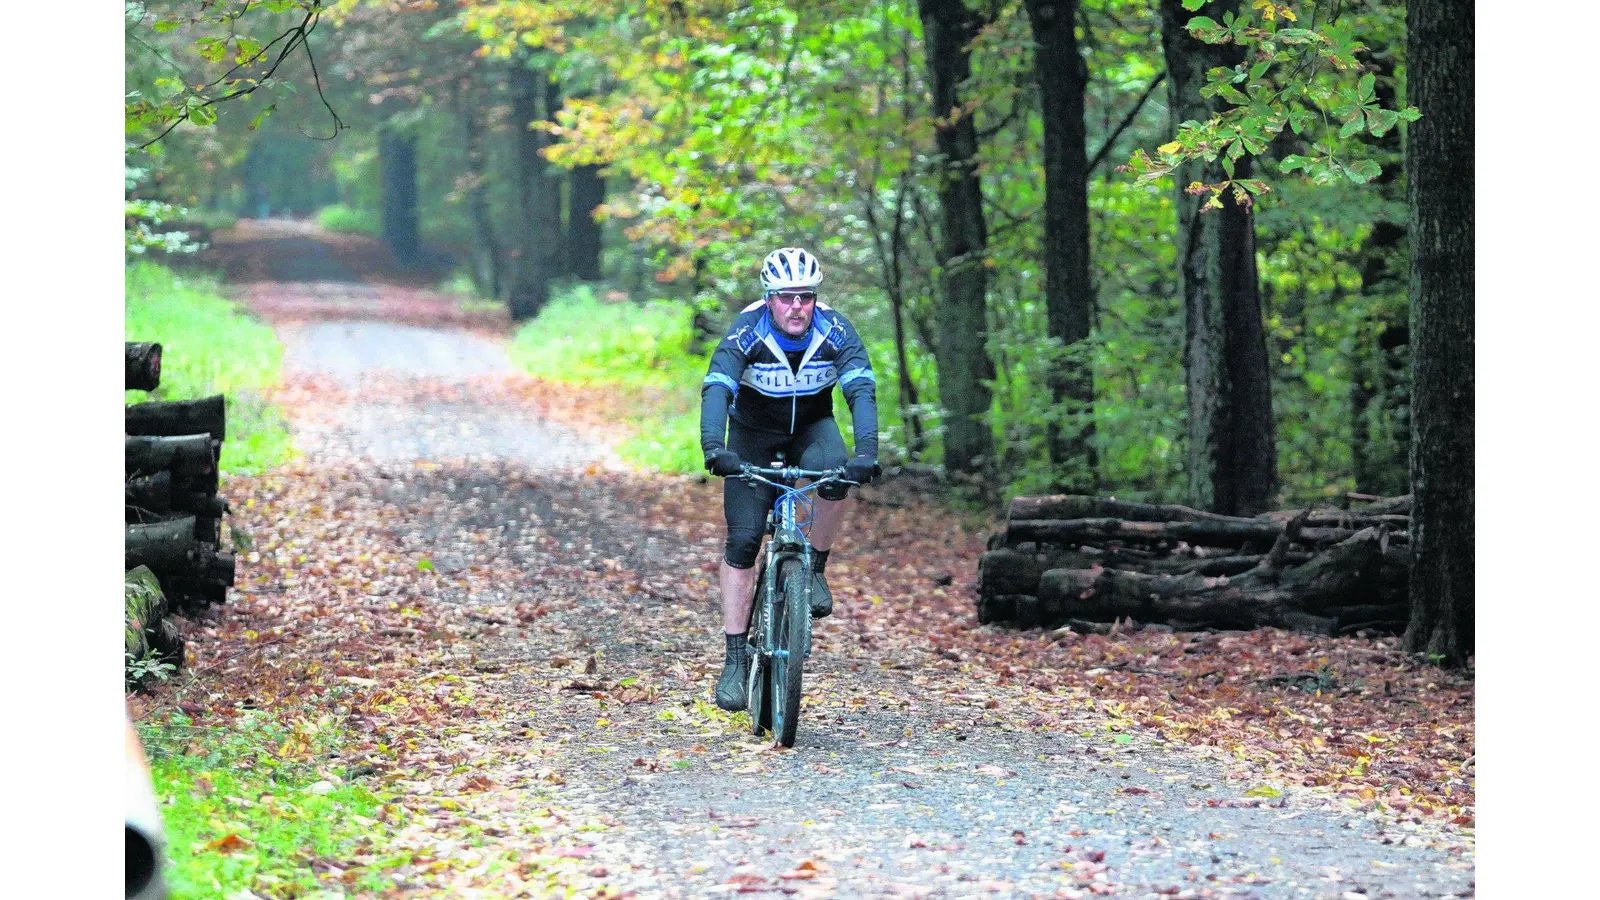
(821, 597)
(732, 685)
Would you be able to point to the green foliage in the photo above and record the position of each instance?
(141, 218)
(146, 667)
(1296, 75)
(209, 347)
(640, 350)
(339, 217)
(246, 808)
(192, 64)
(734, 129)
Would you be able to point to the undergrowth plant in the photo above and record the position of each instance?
(339, 217)
(210, 346)
(256, 805)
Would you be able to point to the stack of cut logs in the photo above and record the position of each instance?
(173, 512)
(1089, 562)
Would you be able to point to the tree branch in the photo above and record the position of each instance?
(298, 36)
(1126, 121)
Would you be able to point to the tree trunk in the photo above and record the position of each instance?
(1232, 444)
(1379, 388)
(192, 459)
(962, 356)
(486, 253)
(583, 232)
(207, 415)
(1377, 459)
(1439, 194)
(531, 273)
(1069, 293)
(397, 151)
(164, 547)
(143, 367)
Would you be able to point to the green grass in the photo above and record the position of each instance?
(640, 349)
(240, 814)
(339, 217)
(208, 347)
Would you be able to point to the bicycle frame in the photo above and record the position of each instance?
(791, 512)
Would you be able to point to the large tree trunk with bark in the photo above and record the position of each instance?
(1439, 193)
(961, 354)
(532, 270)
(397, 152)
(583, 232)
(207, 415)
(1232, 442)
(143, 367)
(1069, 293)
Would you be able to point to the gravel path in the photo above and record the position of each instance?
(892, 790)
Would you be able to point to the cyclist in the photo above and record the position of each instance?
(773, 376)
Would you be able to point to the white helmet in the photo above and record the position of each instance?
(789, 267)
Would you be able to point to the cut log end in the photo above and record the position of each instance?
(143, 367)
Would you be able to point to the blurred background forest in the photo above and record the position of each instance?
(612, 172)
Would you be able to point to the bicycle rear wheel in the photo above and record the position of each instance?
(794, 637)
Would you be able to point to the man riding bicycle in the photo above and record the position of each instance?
(770, 388)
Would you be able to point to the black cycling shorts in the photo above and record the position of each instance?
(745, 505)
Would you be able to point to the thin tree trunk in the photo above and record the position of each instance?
(486, 252)
(583, 232)
(1439, 194)
(1376, 393)
(1378, 399)
(1232, 443)
(1069, 293)
(397, 150)
(530, 278)
(551, 224)
(948, 28)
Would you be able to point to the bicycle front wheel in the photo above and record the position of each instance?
(758, 687)
(794, 638)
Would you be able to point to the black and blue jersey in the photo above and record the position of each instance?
(764, 379)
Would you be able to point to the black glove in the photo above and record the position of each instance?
(723, 463)
(862, 469)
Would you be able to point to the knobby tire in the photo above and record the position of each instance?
(794, 635)
(759, 684)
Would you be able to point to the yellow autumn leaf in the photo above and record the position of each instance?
(1171, 147)
(1289, 14)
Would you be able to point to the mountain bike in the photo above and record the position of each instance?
(780, 616)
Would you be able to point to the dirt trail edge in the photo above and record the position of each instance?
(554, 624)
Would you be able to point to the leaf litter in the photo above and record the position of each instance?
(461, 680)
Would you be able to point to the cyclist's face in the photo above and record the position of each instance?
(792, 310)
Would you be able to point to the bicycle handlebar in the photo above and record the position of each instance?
(791, 473)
